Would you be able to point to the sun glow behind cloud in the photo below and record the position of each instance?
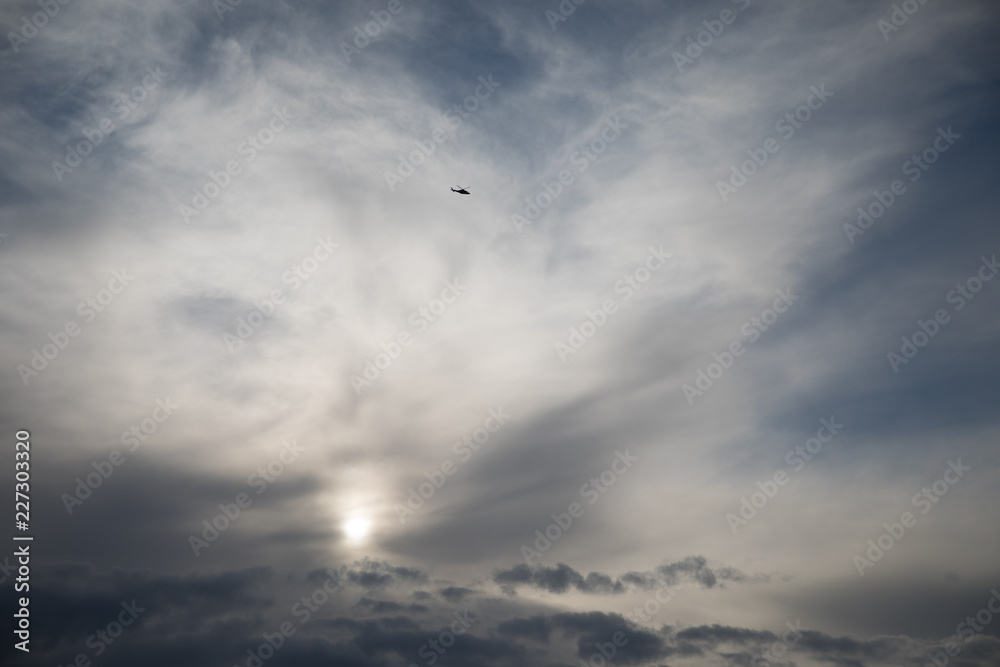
(357, 528)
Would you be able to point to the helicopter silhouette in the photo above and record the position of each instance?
(462, 191)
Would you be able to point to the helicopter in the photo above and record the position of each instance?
(462, 191)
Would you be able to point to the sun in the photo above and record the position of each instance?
(357, 528)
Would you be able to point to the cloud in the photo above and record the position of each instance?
(370, 573)
(455, 593)
(559, 579)
(562, 578)
(536, 628)
(193, 616)
(598, 628)
(534, 143)
(388, 606)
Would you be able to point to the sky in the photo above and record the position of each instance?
(702, 372)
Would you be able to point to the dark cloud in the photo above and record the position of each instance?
(562, 578)
(558, 579)
(455, 593)
(719, 634)
(695, 568)
(599, 628)
(370, 573)
(83, 595)
(537, 628)
(388, 606)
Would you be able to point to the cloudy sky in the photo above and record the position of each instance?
(702, 373)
